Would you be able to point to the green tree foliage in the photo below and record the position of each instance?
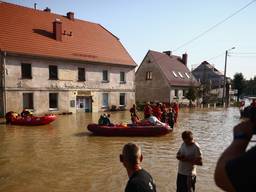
(191, 94)
(239, 84)
(250, 87)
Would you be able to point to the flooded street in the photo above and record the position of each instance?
(63, 156)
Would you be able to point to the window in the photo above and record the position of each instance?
(149, 75)
(28, 102)
(81, 74)
(53, 72)
(122, 99)
(122, 77)
(105, 76)
(176, 93)
(26, 72)
(180, 75)
(187, 75)
(175, 75)
(53, 101)
(105, 100)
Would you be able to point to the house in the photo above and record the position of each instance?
(213, 79)
(163, 77)
(208, 75)
(55, 63)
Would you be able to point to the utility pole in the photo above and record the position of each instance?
(224, 83)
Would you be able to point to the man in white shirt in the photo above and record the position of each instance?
(188, 155)
(152, 119)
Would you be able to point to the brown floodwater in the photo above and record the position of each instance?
(64, 156)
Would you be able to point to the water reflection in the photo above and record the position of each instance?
(64, 156)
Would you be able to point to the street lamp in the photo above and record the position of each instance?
(225, 69)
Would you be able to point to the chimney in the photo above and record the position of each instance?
(47, 9)
(71, 16)
(169, 53)
(184, 59)
(57, 30)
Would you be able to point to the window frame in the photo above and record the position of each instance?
(149, 75)
(122, 80)
(79, 72)
(176, 93)
(23, 72)
(103, 104)
(180, 74)
(51, 77)
(123, 95)
(103, 76)
(57, 100)
(174, 74)
(31, 96)
(188, 76)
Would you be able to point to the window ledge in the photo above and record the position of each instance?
(105, 81)
(26, 78)
(53, 109)
(122, 82)
(53, 79)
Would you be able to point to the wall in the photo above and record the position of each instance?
(67, 85)
(156, 89)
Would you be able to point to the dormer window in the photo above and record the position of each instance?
(175, 75)
(187, 75)
(180, 75)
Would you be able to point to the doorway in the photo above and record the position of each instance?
(84, 103)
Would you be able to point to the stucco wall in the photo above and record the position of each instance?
(67, 84)
(156, 89)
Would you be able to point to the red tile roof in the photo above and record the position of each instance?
(171, 63)
(30, 32)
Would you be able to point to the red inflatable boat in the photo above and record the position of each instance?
(129, 130)
(33, 120)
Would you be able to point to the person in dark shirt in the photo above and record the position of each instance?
(236, 167)
(139, 179)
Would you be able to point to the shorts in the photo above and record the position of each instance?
(186, 183)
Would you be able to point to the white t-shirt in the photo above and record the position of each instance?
(191, 151)
(152, 119)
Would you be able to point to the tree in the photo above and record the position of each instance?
(191, 95)
(239, 84)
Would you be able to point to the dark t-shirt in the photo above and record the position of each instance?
(140, 181)
(242, 171)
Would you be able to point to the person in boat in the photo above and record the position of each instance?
(25, 113)
(104, 120)
(10, 115)
(139, 179)
(189, 155)
(171, 115)
(154, 120)
(157, 112)
(134, 117)
(147, 110)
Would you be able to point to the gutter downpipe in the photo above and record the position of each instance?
(3, 59)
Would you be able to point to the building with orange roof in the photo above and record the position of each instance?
(56, 63)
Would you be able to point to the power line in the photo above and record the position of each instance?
(214, 26)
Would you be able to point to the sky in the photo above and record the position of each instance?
(162, 25)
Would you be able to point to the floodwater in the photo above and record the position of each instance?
(64, 156)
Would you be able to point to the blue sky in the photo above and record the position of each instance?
(167, 24)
